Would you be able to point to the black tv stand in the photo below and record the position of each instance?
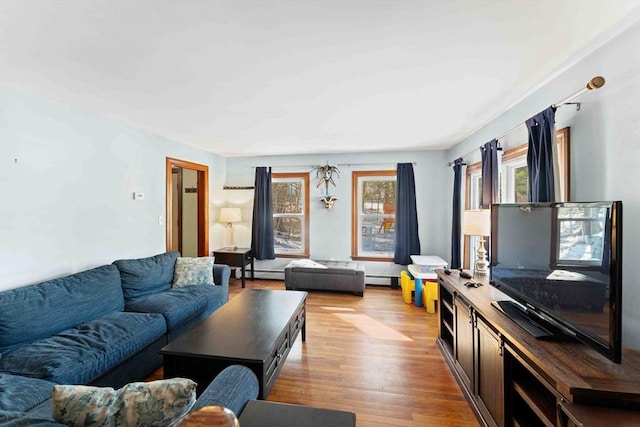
(533, 322)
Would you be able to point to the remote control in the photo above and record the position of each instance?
(465, 275)
(447, 271)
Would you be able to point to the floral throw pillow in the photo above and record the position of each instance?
(154, 403)
(193, 271)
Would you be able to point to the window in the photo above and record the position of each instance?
(290, 196)
(513, 182)
(581, 233)
(373, 215)
(514, 176)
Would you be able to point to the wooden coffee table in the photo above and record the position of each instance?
(256, 329)
(260, 413)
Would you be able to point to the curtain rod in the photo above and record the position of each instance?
(595, 83)
(285, 166)
(339, 164)
(372, 164)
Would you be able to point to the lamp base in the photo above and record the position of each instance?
(232, 243)
(482, 265)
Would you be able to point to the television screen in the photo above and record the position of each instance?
(563, 262)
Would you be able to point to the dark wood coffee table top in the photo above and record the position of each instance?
(260, 413)
(245, 328)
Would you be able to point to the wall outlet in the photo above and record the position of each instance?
(138, 196)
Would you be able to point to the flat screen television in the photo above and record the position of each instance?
(561, 263)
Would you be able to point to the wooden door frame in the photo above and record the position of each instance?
(177, 185)
(203, 203)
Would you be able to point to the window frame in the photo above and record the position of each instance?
(509, 161)
(356, 177)
(295, 176)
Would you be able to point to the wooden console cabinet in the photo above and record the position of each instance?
(512, 379)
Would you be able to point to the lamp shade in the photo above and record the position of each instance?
(230, 215)
(476, 223)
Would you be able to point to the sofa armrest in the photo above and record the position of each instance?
(232, 388)
(221, 275)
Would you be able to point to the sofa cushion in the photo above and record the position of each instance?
(83, 353)
(146, 276)
(24, 419)
(20, 394)
(179, 305)
(38, 311)
(193, 271)
(137, 404)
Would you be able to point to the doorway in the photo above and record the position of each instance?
(187, 207)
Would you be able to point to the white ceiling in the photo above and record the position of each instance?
(291, 77)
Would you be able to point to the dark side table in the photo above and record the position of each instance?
(260, 413)
(235, 257)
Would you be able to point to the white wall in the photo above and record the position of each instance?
(67, 179)
(605, 145)
(330, 231)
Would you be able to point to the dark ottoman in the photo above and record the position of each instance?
(345, 276)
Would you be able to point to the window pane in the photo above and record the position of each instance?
(377, 234)
(521, 186)
(378, 197)
(287, 234)
(287, 197)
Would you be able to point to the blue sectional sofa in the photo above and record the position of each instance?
(27, 401)
(103, 326)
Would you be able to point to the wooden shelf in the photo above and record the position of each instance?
(238, 187)
(546, 383)
(448, 326)
(537, 402)
(593, 416)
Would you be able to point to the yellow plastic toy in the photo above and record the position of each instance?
(430, 296)
(407, 286)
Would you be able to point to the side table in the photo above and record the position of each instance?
(235, 257)
(261, 413)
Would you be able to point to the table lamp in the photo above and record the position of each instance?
(478, 223)
(231, 215)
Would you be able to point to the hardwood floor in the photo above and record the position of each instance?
(375, 356)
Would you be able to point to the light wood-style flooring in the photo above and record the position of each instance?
(375, 356)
